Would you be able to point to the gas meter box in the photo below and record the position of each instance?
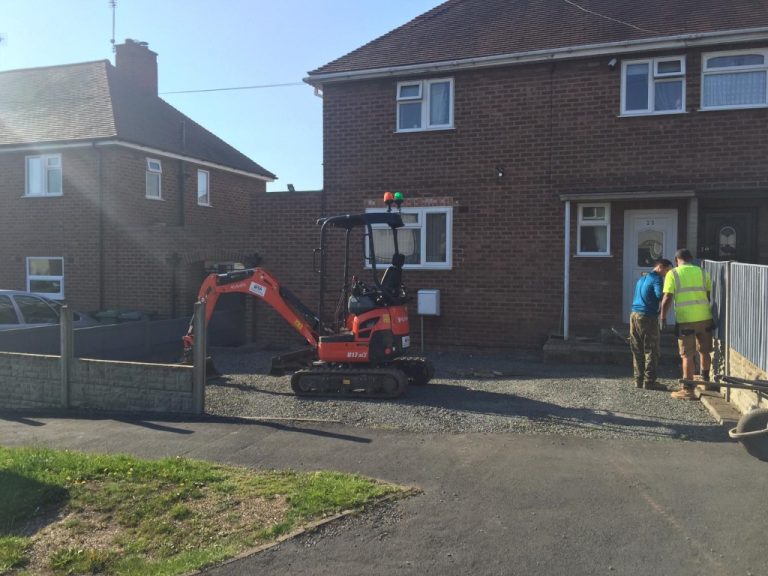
(429, 302)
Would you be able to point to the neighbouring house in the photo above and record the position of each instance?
(549, 150)
(112, 198)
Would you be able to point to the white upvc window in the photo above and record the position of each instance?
(736, 79)
(653, 86)
(425, 240)
(45, 276)
(154, 178)
(594, 230)
(425, 105)
(203, 188)
(43, 175)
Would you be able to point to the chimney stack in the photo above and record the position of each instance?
(138, 64)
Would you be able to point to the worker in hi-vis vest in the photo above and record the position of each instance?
(689, 287)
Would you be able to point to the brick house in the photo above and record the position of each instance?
(110, 197)
(549, 150)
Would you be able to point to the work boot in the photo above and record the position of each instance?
(685, 393)
(653, 386)
(638, 383)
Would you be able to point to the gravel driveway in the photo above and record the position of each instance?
(499, 393)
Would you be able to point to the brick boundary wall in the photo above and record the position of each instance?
(741, 367)
(29, 381)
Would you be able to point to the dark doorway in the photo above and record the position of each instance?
(729, 235)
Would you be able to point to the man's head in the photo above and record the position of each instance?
(683, 256)
(662, 266)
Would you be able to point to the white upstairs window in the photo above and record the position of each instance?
(734, 80)
(43, 175)
(653, 86)
(203, 188)
(154, 176)
(425, 105)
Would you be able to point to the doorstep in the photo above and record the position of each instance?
(611, 350)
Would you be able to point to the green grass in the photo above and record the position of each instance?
(161, 517)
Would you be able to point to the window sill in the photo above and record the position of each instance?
(593, 255)
(205, 205)
(153, 198)
(419, 130)
(726, 108)
(43, 195)
(646, 114)
(414, 267)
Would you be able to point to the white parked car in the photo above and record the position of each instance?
(28, 310)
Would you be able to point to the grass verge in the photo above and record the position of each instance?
(66, 512)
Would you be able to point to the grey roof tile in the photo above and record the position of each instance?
(91, 101)
(462, 29)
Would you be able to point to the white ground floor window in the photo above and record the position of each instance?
(45, 276)
(426, 239)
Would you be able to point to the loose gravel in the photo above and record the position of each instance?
(496, 393)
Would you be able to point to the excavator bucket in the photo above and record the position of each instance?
(210, 369)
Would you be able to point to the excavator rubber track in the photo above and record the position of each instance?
(418, 370)
(350, 382)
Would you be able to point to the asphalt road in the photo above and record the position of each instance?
(491, 503)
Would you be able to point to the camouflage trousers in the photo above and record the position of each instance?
(644, 340)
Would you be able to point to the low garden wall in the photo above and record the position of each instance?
(741, 367)
(36, 381)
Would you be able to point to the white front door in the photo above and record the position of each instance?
(648, 234)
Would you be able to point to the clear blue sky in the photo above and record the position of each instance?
(218, 43)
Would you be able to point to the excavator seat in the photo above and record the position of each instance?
(393, 279)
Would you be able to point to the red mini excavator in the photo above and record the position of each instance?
(364, 352)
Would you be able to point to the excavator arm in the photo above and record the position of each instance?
(258, 283)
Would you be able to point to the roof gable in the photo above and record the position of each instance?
(465, 29)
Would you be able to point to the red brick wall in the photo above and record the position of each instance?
(59, 226)
(285, 226)
(140, 235)
(554, 128)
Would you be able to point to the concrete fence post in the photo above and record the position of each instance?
(66, 353)
(199, 355)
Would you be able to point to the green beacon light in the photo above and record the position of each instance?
(399, 199)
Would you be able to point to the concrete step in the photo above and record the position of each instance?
(585, 351)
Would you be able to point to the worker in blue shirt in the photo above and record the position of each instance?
(644, 331)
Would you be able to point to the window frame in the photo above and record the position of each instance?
(30, 277)
(421, 225)
(425, 97)
(44, 176)
(207, 201)
(158, 173)
(706, 71)
(654, 77)
(582, 223)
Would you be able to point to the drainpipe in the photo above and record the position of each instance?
(567, 271)
(102, 247)
(691, 237)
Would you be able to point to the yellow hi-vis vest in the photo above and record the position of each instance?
(690, 285)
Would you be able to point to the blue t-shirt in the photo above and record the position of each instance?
(648, 294)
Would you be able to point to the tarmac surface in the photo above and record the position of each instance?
(492, 504)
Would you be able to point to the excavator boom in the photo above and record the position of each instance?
(261, 284)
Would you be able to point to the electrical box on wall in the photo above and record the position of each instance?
(429, 302)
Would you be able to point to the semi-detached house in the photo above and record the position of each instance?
(550, 150)
(109, 196)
